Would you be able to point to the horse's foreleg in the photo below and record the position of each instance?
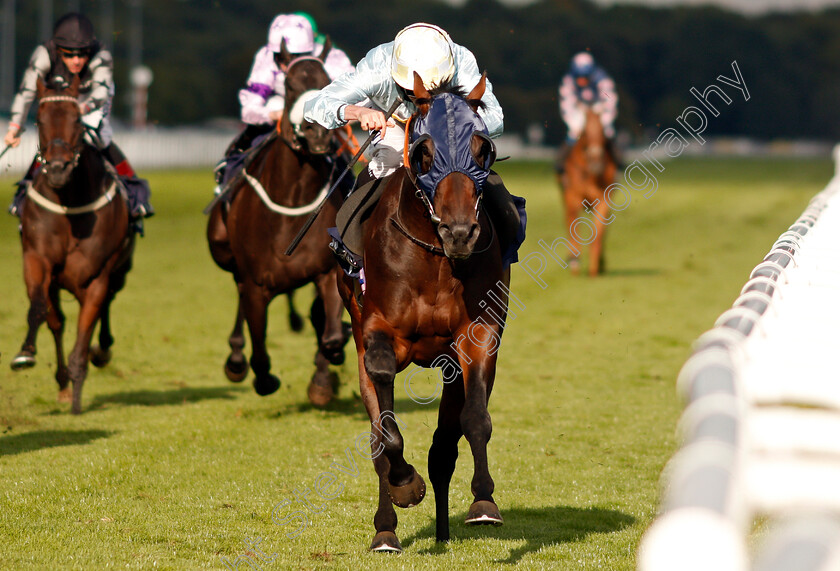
(444, 453)
(254, 303)
(236, 366)
(406, 487)
(91, 301)
(36, 275)
(475, 422)
(385, 519)
(100, 355)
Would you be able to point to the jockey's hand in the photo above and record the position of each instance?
(369, 119)
(275, 115)
(12, 138)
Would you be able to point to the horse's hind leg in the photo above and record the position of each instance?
(295, 320)
(601, 217)
(236, 366)
(100, 355)
(36, 274)
(326, 319)
(254, 303)
(444, 453)
(55, 321)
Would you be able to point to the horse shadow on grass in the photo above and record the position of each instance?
(538, 527)
(38, 439)
(181, 395)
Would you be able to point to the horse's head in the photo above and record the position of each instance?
(60, 130)
(449, 160)
(305, 75)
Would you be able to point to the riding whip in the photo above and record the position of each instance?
(21, 130)
(352, 162)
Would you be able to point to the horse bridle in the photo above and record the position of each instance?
(77, 151)
(296, 124)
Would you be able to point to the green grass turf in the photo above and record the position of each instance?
(172, 467)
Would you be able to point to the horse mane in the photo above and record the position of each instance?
(448, 87)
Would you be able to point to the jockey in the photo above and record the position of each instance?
(586, 85)
(74, 50)
(386, 75)
(263, 98)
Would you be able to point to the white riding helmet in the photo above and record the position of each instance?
(426, 49)
(296, 30)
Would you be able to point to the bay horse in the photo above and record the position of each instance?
(432, 262)
(248, 237)
(76, 236)
(589, 170)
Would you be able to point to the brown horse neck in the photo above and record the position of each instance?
(413, 215)
(84, 184)
(292, 178)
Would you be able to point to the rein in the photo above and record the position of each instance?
(286, 210)
(57, 208)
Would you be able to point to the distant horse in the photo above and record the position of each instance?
(284, 182)
(431, 259)
(76, 236)
(589, 170)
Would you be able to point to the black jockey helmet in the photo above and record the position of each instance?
(74, 31)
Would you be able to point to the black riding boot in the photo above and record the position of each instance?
(236, 150)
(504, 212)
(138, 189)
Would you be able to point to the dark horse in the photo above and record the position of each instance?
(249, 237)
(436, 295)
(76, 236)
(589, 170)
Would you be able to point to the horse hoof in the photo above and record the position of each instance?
(236, 371)
(386, 542)
(98, 357)
(410, 494)
(65, 395)
(266, 385)
(22, 361)
(321, 389)
(484, 512)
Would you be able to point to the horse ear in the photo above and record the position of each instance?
(474, 98)
(423, 99)
(285, 56)
(326, 49)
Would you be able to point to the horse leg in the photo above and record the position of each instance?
(572, 201)
(601, 214)
(478, 372)
(55, 321)
(326, 314)
(100, 355)
(91, 301)
(36, 274)
(254, 300)
(295, 320)
(444, 453)
(236, 366)
(399, 482)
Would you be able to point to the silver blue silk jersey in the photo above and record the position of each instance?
(372, 80)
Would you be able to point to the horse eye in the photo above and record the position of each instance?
(483, 151)
(422, 155)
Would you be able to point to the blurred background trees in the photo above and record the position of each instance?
(201, 52)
